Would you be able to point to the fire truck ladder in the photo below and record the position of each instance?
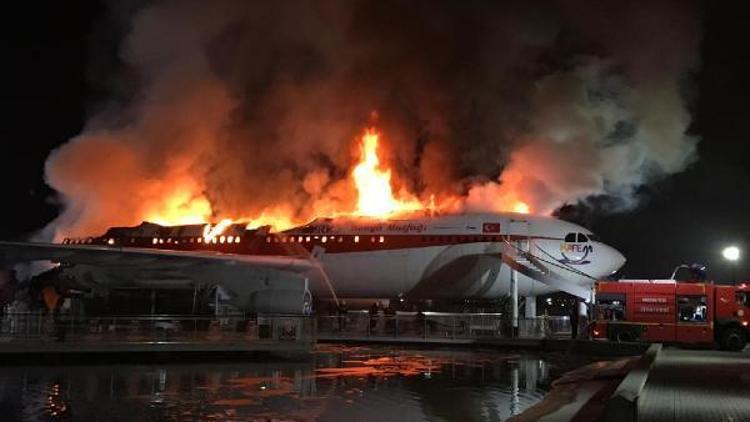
(543, 270)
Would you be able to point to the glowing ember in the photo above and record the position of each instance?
(374, 183)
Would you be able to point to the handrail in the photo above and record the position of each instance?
(554, 264)
(451, 326)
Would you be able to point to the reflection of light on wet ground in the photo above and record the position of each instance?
(337, 383)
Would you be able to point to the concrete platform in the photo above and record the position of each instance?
(697, 386)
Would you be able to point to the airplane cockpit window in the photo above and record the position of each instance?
(582, 238)
(593, 237)
(570, 238)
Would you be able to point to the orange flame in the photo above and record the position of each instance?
(521, 208)
(375, 198)
(210, 233)
(375, 195)
(179, 208)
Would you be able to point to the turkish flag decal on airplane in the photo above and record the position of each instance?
(491, 228)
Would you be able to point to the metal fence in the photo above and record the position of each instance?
(545, 327)
(438, 325)
(155, 328)
(49, 327)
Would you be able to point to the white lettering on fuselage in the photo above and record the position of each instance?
(380, 228)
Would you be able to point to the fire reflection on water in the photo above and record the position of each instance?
(338, 383)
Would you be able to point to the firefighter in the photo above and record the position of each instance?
(343, 312)
(574, 320)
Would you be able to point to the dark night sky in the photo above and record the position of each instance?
(48, 82)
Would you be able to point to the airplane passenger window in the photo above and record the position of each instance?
(582, 237)
(570, 237)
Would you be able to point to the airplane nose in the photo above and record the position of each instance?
(617, 259)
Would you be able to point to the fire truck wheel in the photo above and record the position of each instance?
(733, 339)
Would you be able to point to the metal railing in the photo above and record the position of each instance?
(438, 325)
(36, 326)
(47, 327)
(545, 327)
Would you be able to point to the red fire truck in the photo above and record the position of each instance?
(672, 312)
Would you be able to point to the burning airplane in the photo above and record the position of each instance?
(393, 245)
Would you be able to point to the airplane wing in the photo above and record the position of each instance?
(250, 279)
(15, 252)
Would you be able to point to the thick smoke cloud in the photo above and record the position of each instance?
(248, 109)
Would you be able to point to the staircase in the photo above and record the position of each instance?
(542, 270)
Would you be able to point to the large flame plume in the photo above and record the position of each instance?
(254, 111)
(374, 192)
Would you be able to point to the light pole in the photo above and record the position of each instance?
(732, 254)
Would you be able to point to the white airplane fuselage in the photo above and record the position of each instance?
(433, 257)
(458, 256)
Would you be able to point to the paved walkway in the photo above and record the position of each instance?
(697, 385)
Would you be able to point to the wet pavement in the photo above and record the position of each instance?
(356, 383)
(697, 386)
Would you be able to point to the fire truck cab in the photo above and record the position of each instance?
(672, 312)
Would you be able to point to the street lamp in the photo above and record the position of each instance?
(731, 253)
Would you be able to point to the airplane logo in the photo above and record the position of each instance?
(575, 253)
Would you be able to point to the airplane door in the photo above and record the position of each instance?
(519, 234)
